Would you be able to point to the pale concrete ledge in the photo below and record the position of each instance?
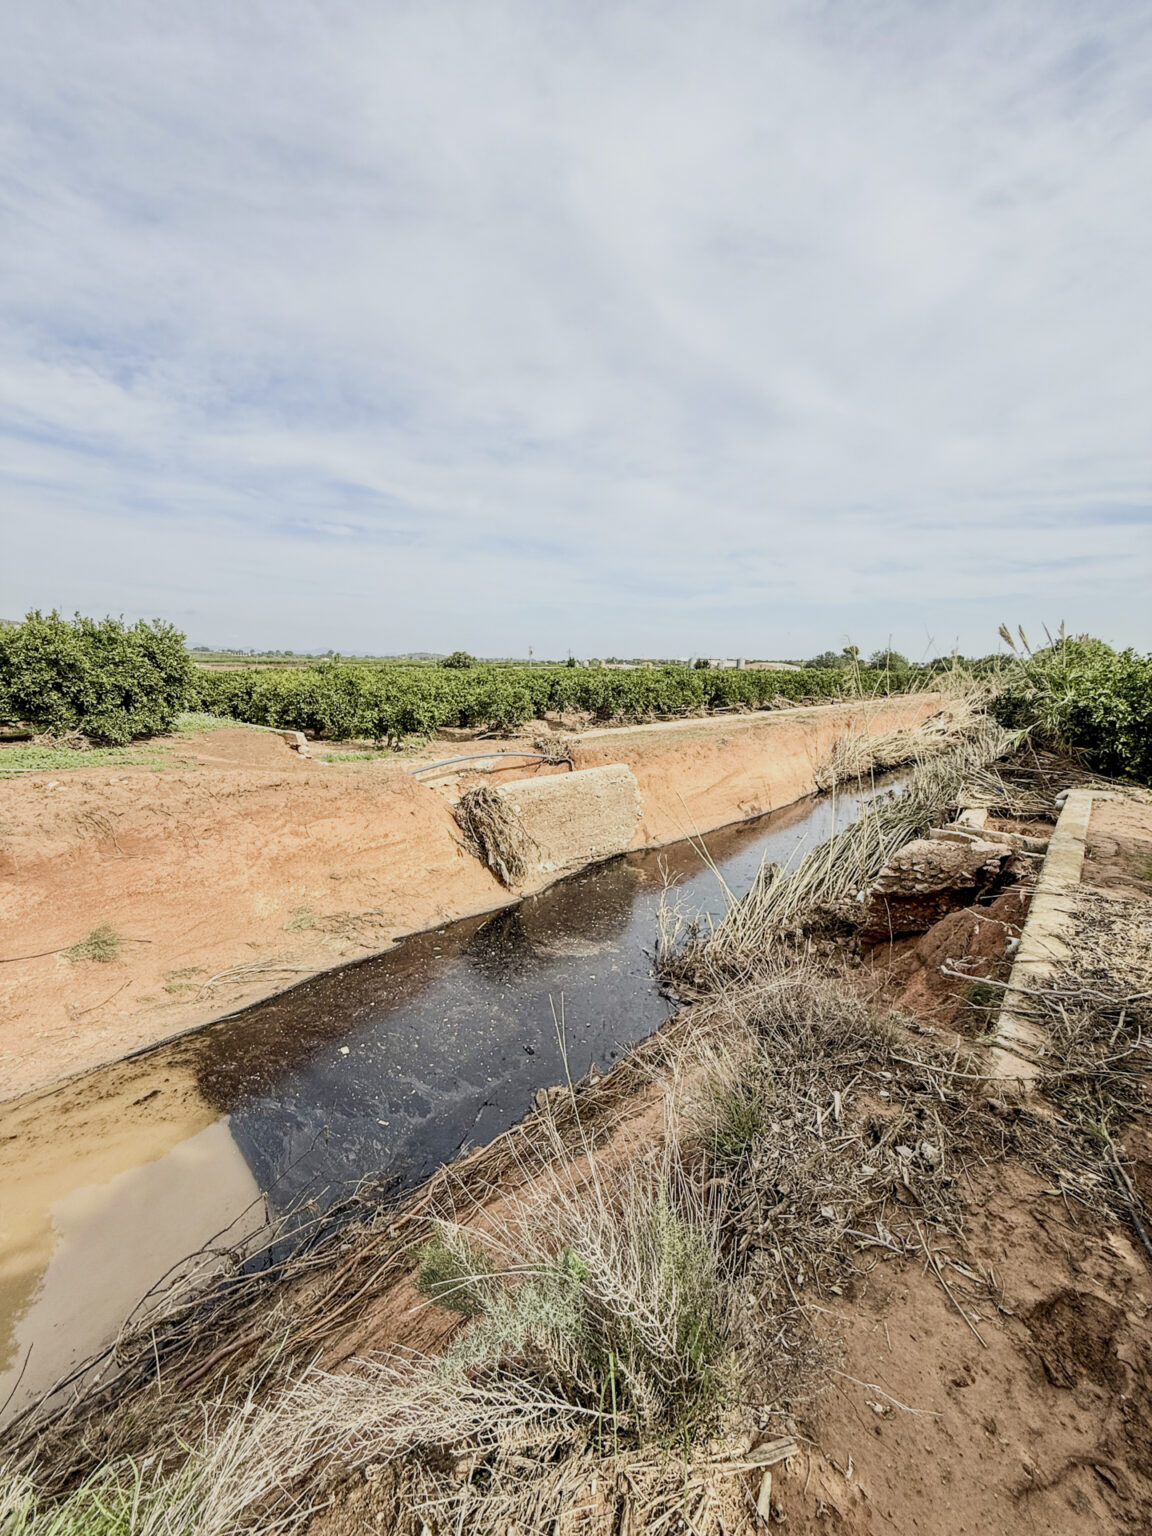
(1019, 1038)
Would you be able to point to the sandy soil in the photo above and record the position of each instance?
(248, 867)
(1118, 853)
(1042, 1425)
(1044, 1422)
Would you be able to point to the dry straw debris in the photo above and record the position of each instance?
(858, 755)
(495, 832)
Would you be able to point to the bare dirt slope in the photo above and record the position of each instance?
(247, 867)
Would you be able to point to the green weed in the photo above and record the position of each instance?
(196, 723)
(984, 1000)
(39, 759)
(103, 945)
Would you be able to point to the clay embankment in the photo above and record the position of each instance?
(236, 875)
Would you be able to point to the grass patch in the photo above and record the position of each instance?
(375, 751)
(363, 928)
(42, 759)
(197, 723)
(369, 755)
(983, 1000)
(187, 979)
(103, 945)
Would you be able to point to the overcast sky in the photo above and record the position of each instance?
(634, 328)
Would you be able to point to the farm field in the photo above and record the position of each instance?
(340, 700)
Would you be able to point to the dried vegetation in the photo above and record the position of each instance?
(819, 895)
(494, 831)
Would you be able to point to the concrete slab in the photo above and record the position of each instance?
(1019, 1038)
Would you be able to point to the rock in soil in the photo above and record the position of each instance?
(928, 879)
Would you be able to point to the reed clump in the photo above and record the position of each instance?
(858, 755)
(822, 892)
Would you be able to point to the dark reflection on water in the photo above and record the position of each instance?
(392, 1066)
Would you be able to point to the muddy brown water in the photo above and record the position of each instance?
(138, 1172)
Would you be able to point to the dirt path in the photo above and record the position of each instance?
(247, 867)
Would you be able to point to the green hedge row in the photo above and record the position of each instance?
(111, 681)
(339, 700)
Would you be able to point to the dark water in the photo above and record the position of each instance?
(394, 1066)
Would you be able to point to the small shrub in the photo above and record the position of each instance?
(740, 1114)
(455, 1273)
(616, 1299)
(458, 661)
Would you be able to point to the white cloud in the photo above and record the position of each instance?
(648, 327)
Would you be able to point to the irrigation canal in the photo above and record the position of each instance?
(386, 1068)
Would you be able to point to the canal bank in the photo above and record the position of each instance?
(242, 868)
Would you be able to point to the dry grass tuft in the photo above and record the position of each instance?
(604, 1284)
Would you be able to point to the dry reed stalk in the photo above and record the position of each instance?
(1029, 783)
(858, 755)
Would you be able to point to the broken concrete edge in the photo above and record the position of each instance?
(958, 833)
(1019, 1037)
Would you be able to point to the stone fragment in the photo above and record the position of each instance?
(928, 879)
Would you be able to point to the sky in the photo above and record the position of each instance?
(637, 328)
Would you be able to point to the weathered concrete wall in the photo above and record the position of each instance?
(697, 775)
